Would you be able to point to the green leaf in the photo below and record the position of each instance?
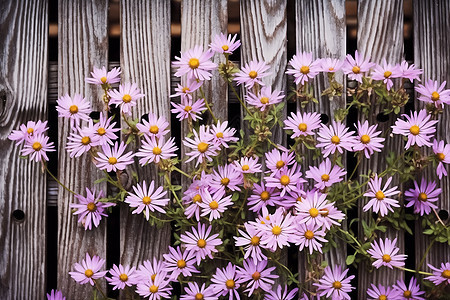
(350, 259)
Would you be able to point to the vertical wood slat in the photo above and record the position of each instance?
(23, 92)
(432, 54)
(83, 44)
(145, 59)
(321, 29)
(380, 36)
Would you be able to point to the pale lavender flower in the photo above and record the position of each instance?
(418, 128)
(188, 109)
(335, 137)
(330, 65)
(330, 216)
(256, 275)
(226, 177)
(368, 140)
(324, 175)
(410, 72)
(382, 292)
(55, 295)
(147, 198)
(28, 130)
(224, 44)
(433, 93)
(385, 254)
(386, 72)
(75, 109)
(88, 270)
(278, 232)
(178, 262)
(224, 282)
(286, 180)
(335, 284)
(202, 145)
(122, 276)
(194, 292)
(201, 242)
(101, 76)
(37, 147)
(82, 142)
(247, 165)
(149, 269)
(310, 209)
(302, 124)
(280, 294)
(155, 150)
(262, 197)
(214, 205)
(279, 159)
(423, 196)
(252, 73)
(309, 236)
(442, 154)
(113, 159)
(185, 92)
(356, 67)
(155, 289)
(104, 131)
(223, 134)
(154, 127)
(193, 201)
(441, 274)
(250, 240)
(411, 292)
(379, 197)
(304, 67)
(125, 97)
(264, 98)
(195, 63)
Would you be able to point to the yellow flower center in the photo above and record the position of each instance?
(256, 275)
(414, 129)
(325, 177)
(407, 294)
(276, 230)
(435, 96)
(73, 109)
(252, 74)
(91, 206)
(379, 195)
(219, 135)
(201, 243)
(440, 156)
(365, 139)
(356, 70)
(30, 130)
(153, 277)
(285, 180)
(255, 240)
(313, 212)
(330, 69)
(335, 139)
(299, 199)
(304, 70)
(265, 196)
(202, 147)
(446, 274)
(423, 197)
(187, 108)
(309, 234)
(214, 205)
(101, 131)
(280, 164)
(126, 98)
(88, 273)
(103, 79)
(337, 285)
(225, 47)
(387, 74)
(302, 127)
(382, 297)
(154, 129)
(199, 296)
(85, 140)
(230, 283)
(197, 199)
(225, 181)
(181, 263)
(112, 160)
(386, 258)
(245, 168)
(264, 100)
(157, 151)
(36, 146)
(194, 63)
(146, 200)
(123, 277)
(185, 89)
(153, 289)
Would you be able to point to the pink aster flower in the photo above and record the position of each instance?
(214, 205)
(224, 282)
(309, 236)
(280, 294)
(155, 150)
(185, 92)
(433, 93)
(418, 128)
(75, 109)
(101, 76)
(256, 275)
(202, 145)
(310, 209)
(37, 147)
(147, 198)
(158, 288)
(201, 242)
(330, 65)
(223, 134)
(386, 72)
(330, 216)
(188, 109)
(442, 153)
(154, 127)
(178, 262)
(224, 44)
(88, 270)
(382, 292)
(289, 200)
(126, 97)
(324, 175)
(265, 98)
(89, 209)
(356, 67)
(410, 72)
(55, 295)
(385, 254)
(262, 197)
(194, 292)
(422, 197)
(122, 276)
(149, 269)
(195, 63)
(379, 197)
(411, 292)
(193, 201)
(302, 124)
(252, 73)
(28, 130)
(247, 165)
(226, 177)
(113, 159)
(82, 142)
(278, 232)
(335, 137)
(249, 239)
(279, 159)
(367, 139)
(104, 131)
(335, 284)
(304, 67)
(441, 274)
(286, 180)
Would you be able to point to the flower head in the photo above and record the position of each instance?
(185, 91)
(280, 294)
(28, 130)
(386, 72)
(88, 270)
(265, 98)
(382, 292)
(75, 109)
(122, 276)
(113, 159)
(154, 127)
(224, 44)
(201, 242)
(252, 73)
(330, 65)
(286, 180)
(247, 165)
(37, 147)
(250, 240)
(223, 134)
(214, 205)
(225, 178)
(156, 288)
(410, 72)
(356, 67)
(411, 292)
(418, 128)
(335, 137)
(309, 236)
(379, 197)
(126, 97)
(147, 198)
(179, 262)
(81, 142)
(367, 139)
(262, 197)
(155, 150)
(279, 159)
(194, 292)
(149, 269)
(104, 130)
(433, 93)
(385, 254)
(101, 76)
(256, 275)
(324, 175)
(278, 231)
(202, 145)
(441, 274)
(195, 63)
(55, 295)
(188, 109)
(442, 154)
(423, 196)
(309, 210)
(225, 282)
(302, 124)
(304, 67)
(335, 284)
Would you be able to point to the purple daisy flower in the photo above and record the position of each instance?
(89, 209)
(330, 216)
(113, 159)
(385, 254)
(382, 292)
(154, 127)
(304, 67)
(265, 98)
(278, 232)
(410, 72)
(126, 97)
(101, 76)
(222, 134)
(368, 140)
(252, 73)
(280, 294)
(88, 270)
(289, 200)
(256, 275)
(37, 147)
(148, 270)
(202, 145)
(356, 67)
(277, 160)
(335, 137)
(201, 242)
(442, 154)
(247, 165)
(55, 295)
(155, 150)
(147, 198)
(335, 284)
(194, 292)
(309, 236)
(122, 276)
(75, 109)
(324, 175)
(386, 72)
(28, 130)
(225, 282)
(379, 201)
(214, 205)
(226, 177)
(82, 142)
(177, 262)
(185, 92)
(411, 292)
(250, 240)
(262, 197)
(418, 128)
(302, 124)
(330, 65)
(195, 63)
(193, 201)
(286, 180)
(433, 93)
(155, 289)
(310, 209)
(188, 109)
(423, 196)
(223, 44)
(104, 131)
(441, 274)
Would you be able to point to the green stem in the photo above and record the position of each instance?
(353, 238)
(59, 182)
(242, 206)
(114, 182)
(99, 289)
(426, 253)
(207, 104)
(413, 271)
(166, 176)
(181, 172)
(239, 98)
(272, 143)
(356, 167)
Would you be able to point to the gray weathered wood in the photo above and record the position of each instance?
(23, 92)
(83, 44)
(380, 38)
(432, 54)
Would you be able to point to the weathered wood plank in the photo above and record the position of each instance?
(23, 93)
(83, 44)
(380, 36)
(432, 54)
(145, 59)
(321, 29)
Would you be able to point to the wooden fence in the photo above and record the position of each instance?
(39, 244)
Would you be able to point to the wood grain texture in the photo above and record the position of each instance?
(380, 36)
(145, 59)
(83, 44)
(321, 29)
(432, 54)
(23, 93)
